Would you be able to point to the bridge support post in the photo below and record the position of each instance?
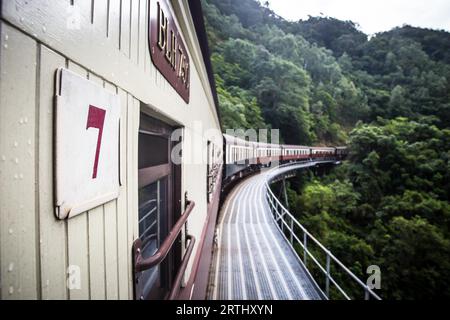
(327, 280)
(285, 193)
(292, 231)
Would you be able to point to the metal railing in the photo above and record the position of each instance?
(284, 219)
(142, 264)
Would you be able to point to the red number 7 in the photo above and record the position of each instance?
(96, 119)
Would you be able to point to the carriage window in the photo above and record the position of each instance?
(158, 191)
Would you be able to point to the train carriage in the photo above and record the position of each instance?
(239, 158)
(294, 153)
(268, 153)
(91, 96)
(322, 152)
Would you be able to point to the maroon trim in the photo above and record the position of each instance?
(171, 58)
(198, 281)
(184, 263)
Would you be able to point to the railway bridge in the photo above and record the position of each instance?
(255, 256)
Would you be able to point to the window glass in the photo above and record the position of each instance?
(152, 213)
(152, 158)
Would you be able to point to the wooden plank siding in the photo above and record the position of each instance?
(18, 233)
(37, 249)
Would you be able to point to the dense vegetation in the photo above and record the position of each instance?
(322, 81)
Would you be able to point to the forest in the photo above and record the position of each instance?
(386, 97)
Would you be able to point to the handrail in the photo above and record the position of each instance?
(184, 263)
(141, 264)
(274, 205)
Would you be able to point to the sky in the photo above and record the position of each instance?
(372, 15)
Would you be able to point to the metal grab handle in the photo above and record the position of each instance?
(184, 263)
(141, 264)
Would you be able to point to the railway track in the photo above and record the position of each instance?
(252, 260)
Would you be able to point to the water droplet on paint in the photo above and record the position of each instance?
(10, 231)
(3, 158)
(6, 37)
(21, 176)
(16, 144)
(11, 290)
(16, 160)
(16, 176)
(21, 121)
(44, 29)
(25, 120)
(22, 19)
(29, 142)
(11, 267)
(5, 46)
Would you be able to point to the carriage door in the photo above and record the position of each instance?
(159, 202)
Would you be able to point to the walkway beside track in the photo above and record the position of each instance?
(252, 260)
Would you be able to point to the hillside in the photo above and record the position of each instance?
(317, 78)
(323, 81)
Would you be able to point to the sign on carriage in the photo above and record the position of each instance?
(167, 49)
(86, 145)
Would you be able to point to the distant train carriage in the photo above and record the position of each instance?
(240, 157)
(267, 153)
(294, 153)
(322, 152)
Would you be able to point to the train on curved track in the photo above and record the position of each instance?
(243, 157)
(95, 99)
